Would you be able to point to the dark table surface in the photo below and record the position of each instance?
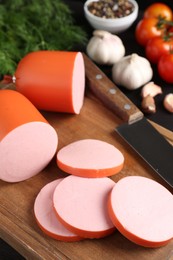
(161, 117)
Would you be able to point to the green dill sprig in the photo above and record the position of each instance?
(31, 25)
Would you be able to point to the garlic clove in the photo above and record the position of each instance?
(168, 102)
(148, 105)
(151, 89)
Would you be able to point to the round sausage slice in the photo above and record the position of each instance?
(52, 80)
(45, 215)
(90, 158)
(81, 205)
(142, 210)
(27, 141)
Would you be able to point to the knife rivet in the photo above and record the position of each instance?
(99, 76)
(112, 91)
(127, 107)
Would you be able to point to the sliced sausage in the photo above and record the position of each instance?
(45, 215)
(90, 158)
(81, 205)
(142, 210)
(27, 141)
(52, 80)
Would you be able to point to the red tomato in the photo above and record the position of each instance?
(147, 29)
(170, 30)
(165, 67)
(158, 46)
(158, 9)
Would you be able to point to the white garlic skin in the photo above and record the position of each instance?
(132, 71)
(168, 102)
(151, 89)
(105, 48)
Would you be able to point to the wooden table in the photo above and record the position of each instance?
(17, 223)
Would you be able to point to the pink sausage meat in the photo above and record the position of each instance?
(81, 205)
(142, 210)
(27, 141)
(45, 215)
(90, 158)
(26, 151)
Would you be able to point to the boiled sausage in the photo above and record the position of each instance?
(81, 205)
(45, 215)
(142, 210)
(52, 80)
(90, 158)
(27, 141)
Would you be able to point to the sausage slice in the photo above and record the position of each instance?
(142, 210)
(81, 205)
(90, 158)
(45, 215)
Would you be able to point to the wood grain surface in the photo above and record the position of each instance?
(17, 223)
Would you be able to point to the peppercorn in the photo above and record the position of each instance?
(111, 8)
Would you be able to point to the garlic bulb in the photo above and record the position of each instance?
(105, 48)
(132, 71)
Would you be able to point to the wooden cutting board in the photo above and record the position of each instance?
(17, 223)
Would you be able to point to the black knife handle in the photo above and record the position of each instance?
(110, 94)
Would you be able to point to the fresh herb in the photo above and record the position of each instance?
(31, 25)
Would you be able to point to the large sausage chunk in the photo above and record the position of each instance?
(27, 141)
(52, 80)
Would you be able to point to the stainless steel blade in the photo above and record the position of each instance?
(137, 131)
(151, 146)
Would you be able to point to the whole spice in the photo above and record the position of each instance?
(105, 48)
(111, 8)
(27, 26)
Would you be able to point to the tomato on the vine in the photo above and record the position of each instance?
(165, 67)
(158, 10)
(147, 29)
(158, 46)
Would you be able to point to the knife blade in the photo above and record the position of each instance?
(136, 129)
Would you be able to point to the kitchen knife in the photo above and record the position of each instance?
(136, 130)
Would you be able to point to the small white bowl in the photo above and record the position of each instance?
(112, 25)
